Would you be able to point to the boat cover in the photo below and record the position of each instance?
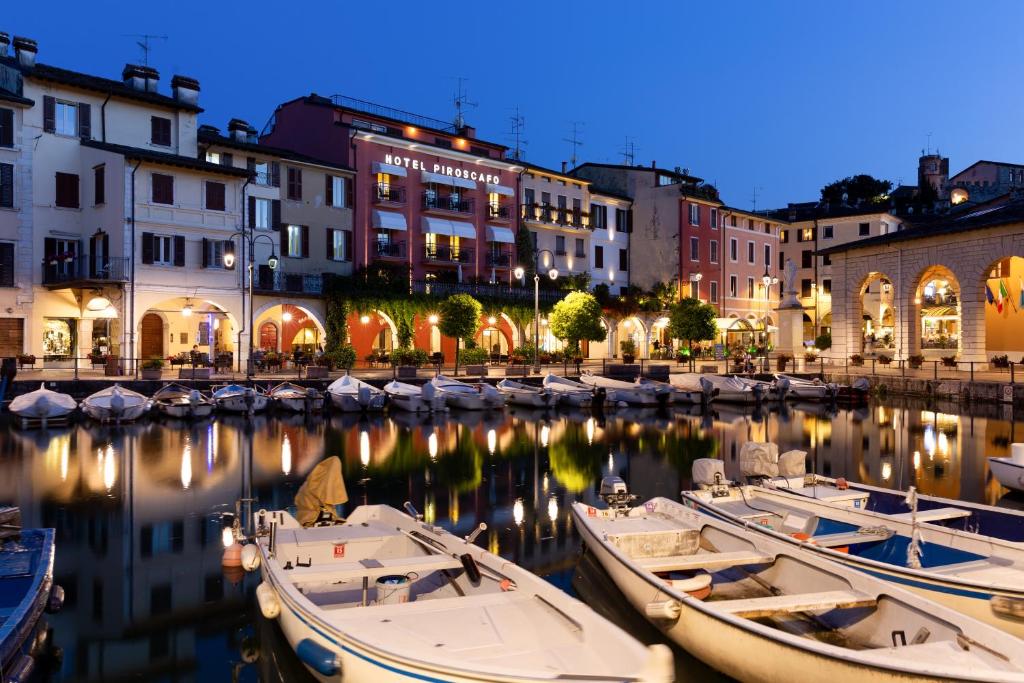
(323, 489)
(705, 471)
(759, 459)
(793, 464)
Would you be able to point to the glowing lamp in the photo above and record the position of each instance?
(229, 259)
(432, 319)
(519, 273)
(286, 316)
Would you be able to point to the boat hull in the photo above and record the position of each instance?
(181, 411)
(1009, 473)
(350, 403)
(106, 414)
(239, 404)
(299, 404)
(528, 399)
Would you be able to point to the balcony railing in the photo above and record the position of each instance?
(61, 269)
(449, 203)
(291, 283)
(500, 212)
(387, 192)
(573, 218)
(444, 289)
(499, 259)
(445, 254)
(391, 249)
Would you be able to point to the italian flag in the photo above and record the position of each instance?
(1001, 294)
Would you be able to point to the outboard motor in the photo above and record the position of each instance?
(364, 397)
(614, 492)
(782, 387)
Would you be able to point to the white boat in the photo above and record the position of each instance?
(726, 389)
(759, 609)
(571, 393)
(384, 596)
(808, 389)
(234, 398)
(414, 399)
(980, 576)
(1008, 471)
(619, 391)
(115, 404)
(296, 399)
(671, 392)
(42, 405)
(181, 402)
(351, 395)
(475, 396)
(517, 393)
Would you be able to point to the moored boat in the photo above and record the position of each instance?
(466, 396)
(619, 391)
(730, 389)
(42, 406)
(808, 389)
(759, 609)
(234, 398)
(115, 404)
(351, 395)
(414, 399)
(573, 394)
(520, 394)
(855, 393)
(296, 399)
(1010, 471)
(178, 401)
(672, 392)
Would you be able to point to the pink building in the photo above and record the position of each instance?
(751, 251)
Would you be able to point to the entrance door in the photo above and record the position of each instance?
(152, 342)
(12, 337)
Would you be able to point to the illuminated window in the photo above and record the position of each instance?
(295, 241)
(807, 235)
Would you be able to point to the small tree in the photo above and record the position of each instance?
(577, 317)
(692, 320)
(459, 317)
(525, 252)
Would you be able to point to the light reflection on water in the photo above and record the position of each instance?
(140, 510)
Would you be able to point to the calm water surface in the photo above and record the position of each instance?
(139, 510)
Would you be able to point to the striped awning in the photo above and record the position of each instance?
(498, 234)
(442, 226)
(388, 220)
(939, 312)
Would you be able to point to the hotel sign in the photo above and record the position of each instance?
(417, 165)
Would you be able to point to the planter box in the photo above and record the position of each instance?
(658, 372)
(709, 369)
(516, 371)
(622, 370)
(194, 373)
(149, 373)
(406, 371)
(113, 367)
(316, 372)
(480, 370)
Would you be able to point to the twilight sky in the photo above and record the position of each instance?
(778, 96)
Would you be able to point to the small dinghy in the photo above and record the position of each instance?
(730, 389)
(759, 609)
(115, 404)
(853, 394)
(384, 596)
(414, 399)
(26, 591)
(671, 392)
(517, 393)
(973, 574)
(808, 389)
(234, 398)
(619, 391)
(42, 406)
(1008, 471)
(475, 396)
(573, 394)
(181, 402)
(350, 395)
(296, 399)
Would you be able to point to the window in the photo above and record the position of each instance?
(734, 249)
(750, 253)
(826, 286)
(545, 198)
(805, 288)
(623, 220)
(99, 189)
(598, 216)
(6, 264)
(864, 229)
(732, 285)
(581, 249)
(767, 256)
(714, 291)
(561, 201)
(783, 236)
(826, 260)
(6, 128)
(806, 235)
(336, 191)
(7, 185)
(750, 224)
(714, 251)
(694, 214)
(443, 142)
(714, 218)
(160, 129)
(215, 196)
(261, 213)
(163, 189)
(884, 228)
(827, 232)
(806, 258)
(214, 250)
(694, 249)
(295, 243)
(560, 245)
(163, 250)
(67, 190)
(339, 244)
(528, 196)
(598, 257)
(295, 184)
(623, 260)
(66, 119)
(750, 288)
(211, 157)
(732, 221)
(782, 258)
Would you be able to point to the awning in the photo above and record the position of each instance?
(501, 189)
(498, 234)
(390, 169)
(442, 226)
(448, 180)
(939, 312)
(388, 220)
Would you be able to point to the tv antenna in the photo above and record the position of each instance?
(753, 198)
(928, 142)
(574, 141)
(461, 101)
(628, 152)
(143, 43)
(518, 125)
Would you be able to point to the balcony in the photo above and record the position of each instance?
(452, 203)
(501, 213)
(390, 249)
(525, 294)
(499, 259)
(279, 282)
(387, 193)
(572, 218)
(445, 254)
(68, 271)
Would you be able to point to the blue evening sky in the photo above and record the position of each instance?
(778, 96)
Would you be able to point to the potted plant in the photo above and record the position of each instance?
(342, 358)
(915, 361)
(151, 368)
(628, 348)
(474, 360)
(782, 360)
(856, 360)
(884, 359)
(949, 361)
(1000, 362)
(26, 359)
(810, 357)
(407, 361)
(97, 358)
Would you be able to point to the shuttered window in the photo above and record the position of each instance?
(99, 184)
(67, 190)
(163, 189)
(6, 128)
(160, 129)
(215, 196)
(6, 264)
(295, 183)
(7, 185)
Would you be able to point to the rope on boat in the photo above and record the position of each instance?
(914, 548)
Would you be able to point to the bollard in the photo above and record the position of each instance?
(936, 363)
(972, 370)
(76, 367)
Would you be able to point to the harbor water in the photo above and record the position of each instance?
(140, 510)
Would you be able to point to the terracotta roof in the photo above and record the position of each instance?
(209, 137)
(165, 159)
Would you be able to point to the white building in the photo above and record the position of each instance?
(610, 228)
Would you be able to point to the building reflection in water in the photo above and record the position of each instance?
(141, 510)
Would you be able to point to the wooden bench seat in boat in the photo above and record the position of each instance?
(936, 515)
(752, 608)
(707, 561)
(846, 538)
(370, 568)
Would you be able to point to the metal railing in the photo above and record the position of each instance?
(63, 269)
(292, 283)
(498, 211)
(445, 254)
(392, 113)
(444, 289)
(387, 192)
(448, 203)
(390, 249)
(499, 259)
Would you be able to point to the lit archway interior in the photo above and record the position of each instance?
(180, 326)
(287, 328)
(878, 332)
(1004, 309)
(938, 301)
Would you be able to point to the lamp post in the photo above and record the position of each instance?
(768, 280)
(229, 262)
(696, 278)
(520, 273)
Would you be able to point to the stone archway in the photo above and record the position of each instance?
(936, 323)
(876, 294)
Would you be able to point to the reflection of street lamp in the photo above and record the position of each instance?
(520, 273)
(229, 262)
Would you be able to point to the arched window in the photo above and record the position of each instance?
(268, 336)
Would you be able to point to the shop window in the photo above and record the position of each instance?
(58, 338)
(101, 333)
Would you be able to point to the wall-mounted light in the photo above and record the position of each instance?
(364, 319)
(432, 319)
(491, 320)
(186, 310)
(286, 316)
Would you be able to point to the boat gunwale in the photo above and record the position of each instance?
(25, 615)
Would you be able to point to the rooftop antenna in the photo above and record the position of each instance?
(518, 124)
(929, 143)
(753, 198)
(144, 43)
(628, 152)
(461, 101)
(574, 141)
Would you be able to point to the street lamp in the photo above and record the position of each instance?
(697, 277)
(768, 281)
(229, 262)
(520, 273)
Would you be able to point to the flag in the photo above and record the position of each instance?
(1004, 294)
(1020, 281)
(999, 296)
(988, 295)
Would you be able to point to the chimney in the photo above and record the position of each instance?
(141, 78)
(563, 167)
(25, 50)
(240, 131)
(5, 41)
(468, 132)
(185, 89)
(152, 78)
(653, 164)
